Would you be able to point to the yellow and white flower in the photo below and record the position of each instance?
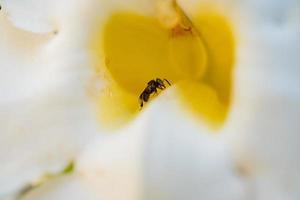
(72, 72)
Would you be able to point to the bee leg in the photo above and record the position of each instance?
(162, 86)
(141, 99)
(141, 102)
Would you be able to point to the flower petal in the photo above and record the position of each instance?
(46, 115)
(263, 129)
(152, 160)
(41, 16)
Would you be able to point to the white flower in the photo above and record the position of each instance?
(48, 111)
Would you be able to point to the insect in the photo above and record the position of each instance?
(151, 88)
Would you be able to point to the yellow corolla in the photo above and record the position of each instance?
(72, 73)
(195, 54)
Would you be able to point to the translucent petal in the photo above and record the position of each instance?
(45, 113)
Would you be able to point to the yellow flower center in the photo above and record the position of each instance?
(196, 55)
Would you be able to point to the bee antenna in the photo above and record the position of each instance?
(167, 81)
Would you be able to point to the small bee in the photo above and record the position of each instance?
(152, 87)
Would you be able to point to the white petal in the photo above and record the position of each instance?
(69, 187)
(264, 125)
(191, 163)
(46, 116)
(41, 16)
(153, 160)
